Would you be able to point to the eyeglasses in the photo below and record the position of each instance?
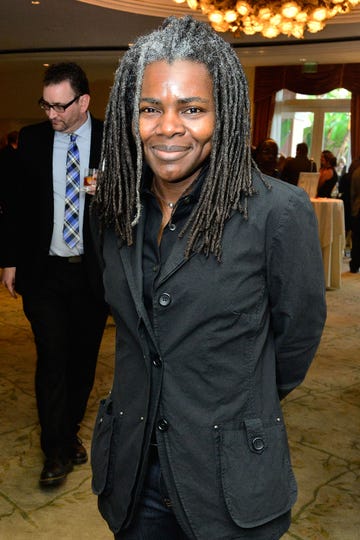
(56, 106)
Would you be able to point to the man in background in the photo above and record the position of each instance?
(47, 256)
(300, 163)
(355, 217)
(266, 157)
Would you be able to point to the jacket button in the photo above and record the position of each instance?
(156, 360)
(258, 444)
(164, 299)
(163, 424)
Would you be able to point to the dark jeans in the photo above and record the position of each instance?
(154, 519)
(68, 324)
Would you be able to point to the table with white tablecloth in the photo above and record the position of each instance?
(330, 216)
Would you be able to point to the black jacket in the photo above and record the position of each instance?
(228, 339)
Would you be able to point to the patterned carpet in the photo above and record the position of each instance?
(323, 418)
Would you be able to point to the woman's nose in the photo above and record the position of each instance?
(170, 124)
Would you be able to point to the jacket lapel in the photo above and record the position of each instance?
(175, 260)
(46, 170)
(132, 261)
(95, 146)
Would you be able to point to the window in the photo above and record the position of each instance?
(323, 122)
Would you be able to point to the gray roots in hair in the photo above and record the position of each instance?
(228, 181)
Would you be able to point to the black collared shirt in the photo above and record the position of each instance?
(154, 255)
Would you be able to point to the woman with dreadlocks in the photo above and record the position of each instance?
(214, 277)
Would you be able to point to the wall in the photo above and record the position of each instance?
(22, 88)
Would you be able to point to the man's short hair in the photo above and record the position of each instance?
(302, 149)
(68, 71)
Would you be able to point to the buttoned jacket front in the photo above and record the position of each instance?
(230, 337)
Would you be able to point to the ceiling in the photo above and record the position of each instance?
(75, 29)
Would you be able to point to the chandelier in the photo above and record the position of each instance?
(270, 17)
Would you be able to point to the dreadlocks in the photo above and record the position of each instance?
(228, 182)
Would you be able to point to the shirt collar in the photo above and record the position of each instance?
(83, 131)
(85, 128)
(193, 192)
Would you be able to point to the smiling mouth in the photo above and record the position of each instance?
(170, 148)
(169, 153)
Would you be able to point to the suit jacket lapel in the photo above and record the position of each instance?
(95, 145)
(94, 159)
(46, 144)
(47, 149)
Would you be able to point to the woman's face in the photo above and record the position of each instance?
(323, 161)
(177, 119)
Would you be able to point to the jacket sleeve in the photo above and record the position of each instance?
(297, 290)
(11, 210)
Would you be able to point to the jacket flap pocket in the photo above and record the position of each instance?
(255, 435)
(101, 447)
(257, 479)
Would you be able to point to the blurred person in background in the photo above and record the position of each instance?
(266, 157)
(355, 217)
(295, 165)
(344, 195)
(328, 176)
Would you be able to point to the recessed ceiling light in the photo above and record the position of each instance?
(35, 2)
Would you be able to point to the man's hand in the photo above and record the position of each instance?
(8, 280)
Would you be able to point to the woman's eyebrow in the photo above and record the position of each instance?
(189, 99)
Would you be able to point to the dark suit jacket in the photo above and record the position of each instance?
(7, 168)
(28, 227)
(294, 166)
(229, 338)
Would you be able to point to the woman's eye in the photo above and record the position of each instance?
(193, 110)
(148, 110)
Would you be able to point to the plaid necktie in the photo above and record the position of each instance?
(72, 195)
